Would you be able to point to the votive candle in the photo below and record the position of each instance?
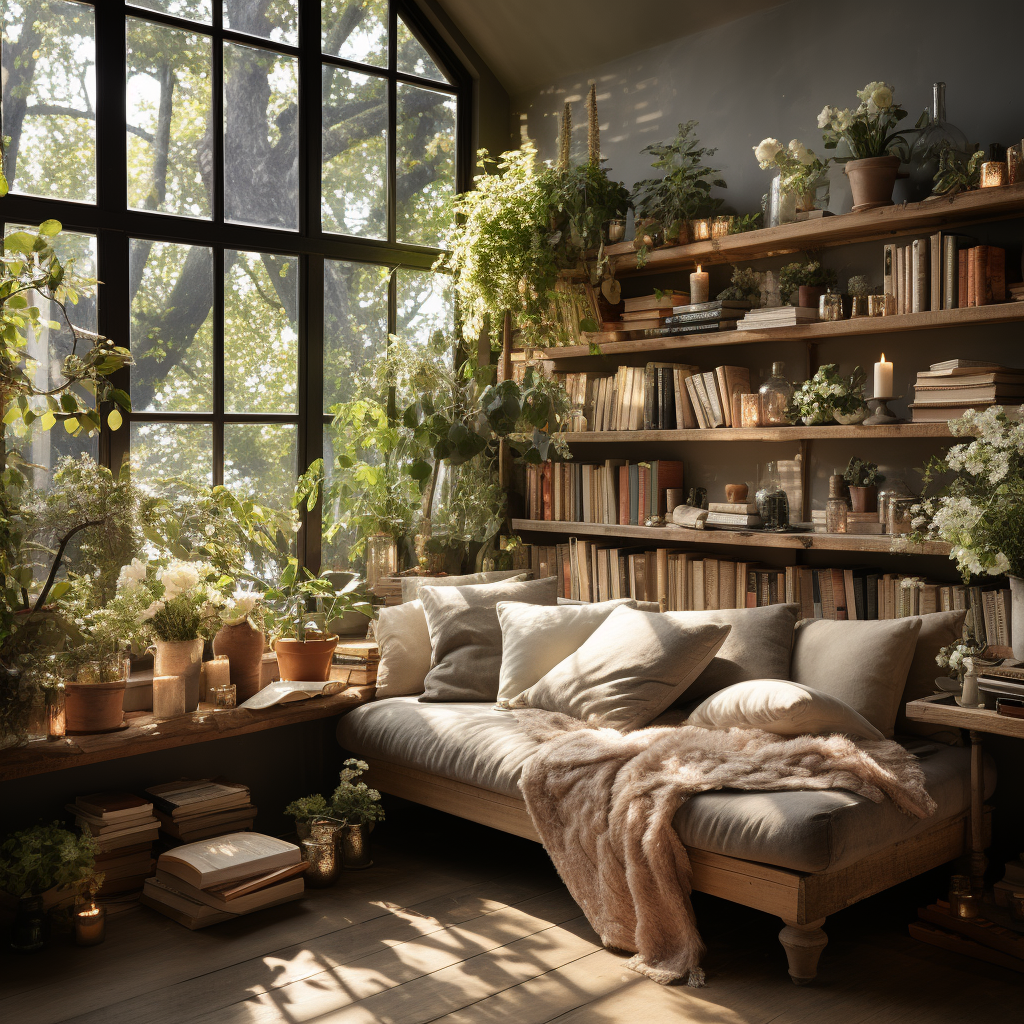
(883, 379)
(90, 925)
(218, 673)
(750, 410)
(699, 285)
(223, 695)
(993, 174)
(168, 696)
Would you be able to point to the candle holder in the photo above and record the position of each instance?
(880, 414)
(90, 925)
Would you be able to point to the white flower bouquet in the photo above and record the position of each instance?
(868, 130)
(817, 400)
(801, 171)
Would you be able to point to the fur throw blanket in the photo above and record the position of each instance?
(603, 803)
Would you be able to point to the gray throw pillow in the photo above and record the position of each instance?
(862, 662)
(465, 635)
(631, 668)
(411, 585)
(938, 630)
(759, 646)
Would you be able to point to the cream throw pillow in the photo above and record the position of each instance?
(630, 669)
(782, 707)
(411, 585)
(404, 641)
(535, 639)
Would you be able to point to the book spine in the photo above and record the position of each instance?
(887, 269)
(920, 276)
(650, 390)
(962, 285)
(900, 300)
(935, 271)
(949, 273)
(995, 275)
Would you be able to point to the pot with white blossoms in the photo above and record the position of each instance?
(979, 507)
(358, 805)
(828, 396)
(801, 173)
(242, 641)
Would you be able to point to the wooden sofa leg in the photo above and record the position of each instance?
(803, 944)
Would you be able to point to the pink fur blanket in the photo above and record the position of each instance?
(603, 803)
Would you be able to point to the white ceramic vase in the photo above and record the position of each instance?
(852, 418)
(181, 658)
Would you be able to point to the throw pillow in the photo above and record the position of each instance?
(630, 669)
(465, 635)
(535, 639)
(862, 662)
(411, 585)
(404, 641)
(782, 707)
(759, 646)
(644, 606)
(938, 630)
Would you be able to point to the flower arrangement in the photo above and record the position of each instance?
(818, 400)
(356, 802)
(954, 658)
(243, 606)
(980, 511)
(793, 275)
(801, 171)
(868, 130)
(45, 857)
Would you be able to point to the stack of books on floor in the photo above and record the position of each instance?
(355, 662)
(944, 271)
(194, 809)
(862, 523)
(778, 316)
(946, 390)
(698, 317)
(123, 826)
(208, 882)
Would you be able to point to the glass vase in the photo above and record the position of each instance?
(776, 393)
(771, 500)
(836, 508)
(781, 208)
(381, 558)
(924, 154)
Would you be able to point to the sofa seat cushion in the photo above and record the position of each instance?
(804, 830)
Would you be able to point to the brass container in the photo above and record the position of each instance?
(830, 307)
(355, 847)
(322, 857)
(858, 306)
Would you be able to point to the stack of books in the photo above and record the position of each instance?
(208, 882)
(863, 523)
(943, 271)
(355, 662)
(778, 316)
(194, 809)
(945, 390)
(124, 827)
(649, 312)
(390, 589)
(698, 317)
(733, 515)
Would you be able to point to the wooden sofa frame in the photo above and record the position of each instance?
(801, 900)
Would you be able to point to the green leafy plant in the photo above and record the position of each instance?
(355, 802)
(868, 130)
(858, 285)
(746, 285)
(746, 222)
(860, 473)
(958, 172)
(35, 860)
(308, 807)
(818, 400)
(289, 602)
(809, 272)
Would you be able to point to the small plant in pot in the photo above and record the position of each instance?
(863, 479)
(829, 396)
(801, 172)
(306, 809)
(809, 279)
(358, 805)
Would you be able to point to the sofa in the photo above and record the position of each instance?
(799, 855)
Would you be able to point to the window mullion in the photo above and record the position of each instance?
(218, 365)
(392, 148)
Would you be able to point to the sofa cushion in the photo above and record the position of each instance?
(535, 638)
(404, 642)
(758, 647)
(628, 671)
(808, 830)
(465, 635)
(862, 662)
(411, 585)
(938, 630)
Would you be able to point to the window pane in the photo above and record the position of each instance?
(355, 323)
(49, 98)
(354, 177)
(172, 327)
(426, 163)
(168, 108)
(261, 137)
(356, 30)
(261, 341)
(193, 10)
(163, 452)
(426, 303)
(413, 58)
(277, 20)
(261, 461)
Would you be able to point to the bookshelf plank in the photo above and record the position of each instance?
(869, 225)
(941, 709)
(825, 433)
(658, 535)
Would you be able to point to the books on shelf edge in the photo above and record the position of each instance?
(733, 507)
(986, 394)
(713, 304)
(656, 301)
(733, 519)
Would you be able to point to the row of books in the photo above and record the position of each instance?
(945, 390)
(943, 271)
(658, 396)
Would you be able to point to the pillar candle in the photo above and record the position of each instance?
(168, 696)
(699, 286)
(218, 673)
(883, 379)
(90, 925)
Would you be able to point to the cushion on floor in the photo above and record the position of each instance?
(802, 831)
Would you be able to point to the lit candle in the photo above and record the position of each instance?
(168, 696)
(90, 925)
(883, 379)
(218, 673)
(699, 286)
(750, 410)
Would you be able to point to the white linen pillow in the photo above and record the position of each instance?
(782, 707)
(535, 638)
(411, 585)
(404, 641)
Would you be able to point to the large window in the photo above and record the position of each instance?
(261, 188)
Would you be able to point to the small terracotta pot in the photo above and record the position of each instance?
(810, 295)
(864, 499)
(305, 661)
(243, 646)
(872, 180)
(735, 494)
(94, 707)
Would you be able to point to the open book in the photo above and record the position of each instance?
(285, 690)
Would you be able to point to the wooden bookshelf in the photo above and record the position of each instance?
(969, 316)
(826, 433)
(886, 222)
(660, 535)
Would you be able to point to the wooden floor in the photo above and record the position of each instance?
(458, 923)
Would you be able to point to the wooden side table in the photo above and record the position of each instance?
(941, 709)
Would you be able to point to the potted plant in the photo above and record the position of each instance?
(359, 807)
(304, 810)
(746, 284)
(875, 148)
(863, 479)
(829, 396)
(681, 194)
(809, 279)
(800, 172)
(958, 171)
(955, 659)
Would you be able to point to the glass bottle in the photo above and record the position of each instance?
(924, 154)
(771, 500)
(29, 931)
(776, 393)
(835, 507)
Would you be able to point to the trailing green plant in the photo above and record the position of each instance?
(958, 171)
(868, 130)
(308, 807)
(35, 860)
(746, 222)
(860, 473)
(808, 272)
(355, 802)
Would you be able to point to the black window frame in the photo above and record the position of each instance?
(115, 225)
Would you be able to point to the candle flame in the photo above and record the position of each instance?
(883, 357)
(698, 268)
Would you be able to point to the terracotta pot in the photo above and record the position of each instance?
(243, 646)
(736, 493)
(864, 499)
(305, 661)
(872, 181)
(810, 295)
(94, 707)
(181, 658)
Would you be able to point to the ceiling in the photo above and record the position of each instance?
(528, 44)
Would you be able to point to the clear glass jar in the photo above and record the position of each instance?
(771, 500)
(776, 393)
(835, 507)
(924, 154)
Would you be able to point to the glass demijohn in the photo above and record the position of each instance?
(924, 155)
(776, 393)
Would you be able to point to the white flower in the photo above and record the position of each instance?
(842, 120)
(131, 574)
(209, 530)
(766, 151)
(881, 98)
(215, 597)
(826, 115)
(240, 606)
(178, 577)
(798, 151)
(148, 613)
